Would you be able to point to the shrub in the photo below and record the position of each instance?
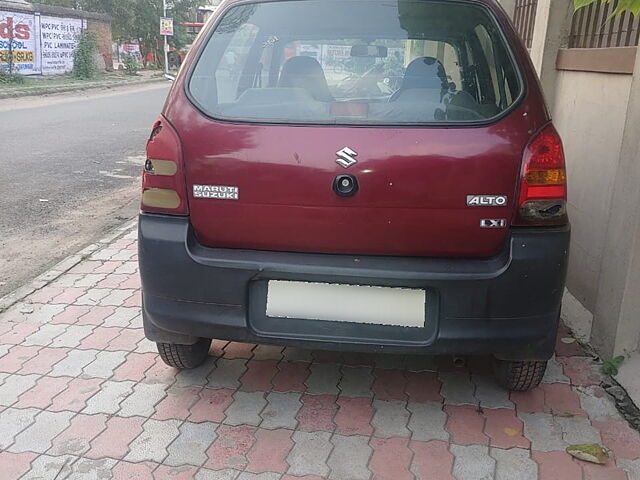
(131, 66)
(7, 78)
(84, 65)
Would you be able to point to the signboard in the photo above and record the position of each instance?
(59, 41)
(19, 34)
(166, 26)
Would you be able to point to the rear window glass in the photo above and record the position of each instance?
(355, 62)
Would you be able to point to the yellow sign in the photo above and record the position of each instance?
(166, 26)
(19, 56)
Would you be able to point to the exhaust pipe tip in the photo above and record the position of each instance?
(459, 362)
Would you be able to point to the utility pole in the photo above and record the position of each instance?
(165, 47)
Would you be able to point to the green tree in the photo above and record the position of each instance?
(632, 6)
(140, 20)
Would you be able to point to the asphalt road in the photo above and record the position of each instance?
(69, 171)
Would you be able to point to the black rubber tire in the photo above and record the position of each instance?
(184, 356)
(519, 376)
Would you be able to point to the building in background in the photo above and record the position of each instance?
(42, 38)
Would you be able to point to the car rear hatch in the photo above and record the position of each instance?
(436, 164)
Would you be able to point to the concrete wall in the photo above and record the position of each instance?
(590, 112)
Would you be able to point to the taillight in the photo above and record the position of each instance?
(543, 185)
(163, 182)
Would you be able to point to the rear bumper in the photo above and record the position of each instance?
(507, 305)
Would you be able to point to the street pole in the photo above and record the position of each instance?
(166, 54)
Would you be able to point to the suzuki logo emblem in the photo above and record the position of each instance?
(346, 157)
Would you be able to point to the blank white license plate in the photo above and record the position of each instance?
(331, 302)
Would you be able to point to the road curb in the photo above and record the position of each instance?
(64, 266)
(78, 88)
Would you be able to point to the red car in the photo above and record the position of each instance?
(363, 175)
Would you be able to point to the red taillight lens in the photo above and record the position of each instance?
(163, 182)
(543, 185)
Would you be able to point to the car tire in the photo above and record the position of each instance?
(519, 375)
(184, 356)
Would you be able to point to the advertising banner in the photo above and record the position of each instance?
(19, 40)
(59, 41)
(166, 26)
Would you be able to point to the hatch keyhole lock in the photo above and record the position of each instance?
(345, 185)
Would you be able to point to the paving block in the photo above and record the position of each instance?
(490, 394)
(48, 467)
(226, 474)
(116, 298)
(354, 416)
(210, 405)
(245, 409)
(14, 465)
(577, 430)
(514, 463)
(14, 386)
(632, 467)
(114, 441)
(457, 389)
(598, 404)
(391, 459)
(13, 421)
(151, 445)
(390, 385)
(42, 363)
(542, 431)
(109, 397)
(142, 401)
(270, 451)
(75, 440)
(258, 376)
(557, 465)
(472, 462)
(74, 397)
(427, 421)
(104, 364)
(554, 372)
(281, 410)
(121, 317)
(309, 454)
(291, 377)
(231, 447)
(356, 382)
(317, 413)
(431, 460)
(93, 296)
(259, 476)
(349, 457)
(73, 363)
(191, 445)
(45, 334)
(41, 395)
(195, 377)
(72, 337)
(390, 419)
(39, 435)
(89, 280)
(89, 469)
(504, 429)
(267, 352)
(227, 373)
(323, 379)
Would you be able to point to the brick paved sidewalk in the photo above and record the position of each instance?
(83, 395)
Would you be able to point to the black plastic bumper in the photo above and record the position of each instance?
(507, 305)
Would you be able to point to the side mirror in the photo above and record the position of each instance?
(171, 78)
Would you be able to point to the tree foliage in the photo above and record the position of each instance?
(84, 63)
(140, 20)
(632, 6)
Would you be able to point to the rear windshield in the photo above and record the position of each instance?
(355, 62)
